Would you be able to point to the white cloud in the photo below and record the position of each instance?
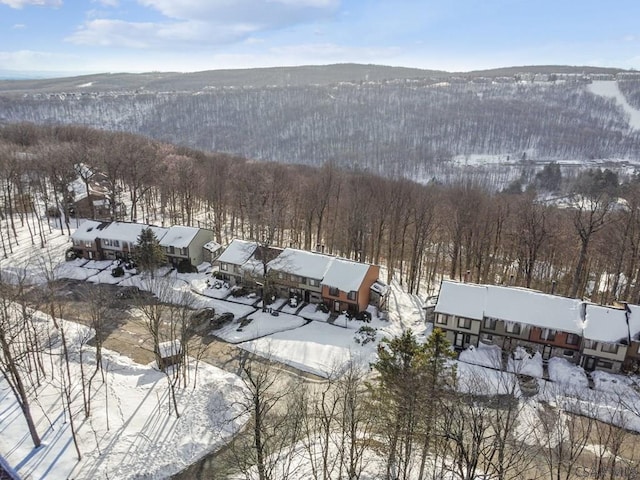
(19, 26)
(107, 3)
(201, 23)
(119, 33)
(39, 3)
(258, 11)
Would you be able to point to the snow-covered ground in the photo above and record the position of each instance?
(132, 432)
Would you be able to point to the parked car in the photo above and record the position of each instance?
(219, 321)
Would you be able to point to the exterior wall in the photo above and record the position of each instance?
(593, 356)
(176, 257)
(195, 253)
(232, 274)
(88, 249)
(499, 335)
(362, 295)
(457, 333)
(287, 285)
(632, 358)
(560, 340)
(340, 301)
(101, 210)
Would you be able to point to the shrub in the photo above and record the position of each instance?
(117, 271)
(185, 267)
(239, 292)
(365, 335)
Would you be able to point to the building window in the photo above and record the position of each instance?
(513, 327)
(590, 344)
(464, 323)
(609, 348)
(573, 339)
(352, 295)
(224, 267)
(333, 291)
(548, 334)
(487, 338)
(568, 353)
(88, 244)
(604, 364)
(314, 283)
(303, 281)
(441, 319)
(490, 323)
(183, 252)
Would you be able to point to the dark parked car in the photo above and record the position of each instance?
(220, 320)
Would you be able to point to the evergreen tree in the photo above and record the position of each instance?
(396, 397)
(440, 378)
(412, 379)
(149, 255)
(549, 178)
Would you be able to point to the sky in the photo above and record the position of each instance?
(61, 37)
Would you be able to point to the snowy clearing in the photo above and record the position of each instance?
(610, 89)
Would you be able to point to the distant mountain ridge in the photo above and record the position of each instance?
(269, 76)
(423, 124)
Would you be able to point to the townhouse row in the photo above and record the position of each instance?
(312, 277)
(590, 335)
(95, 240)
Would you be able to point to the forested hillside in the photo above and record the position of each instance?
(395, 122)
(585, 244)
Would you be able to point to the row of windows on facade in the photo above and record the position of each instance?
(116, 244)
(334, 292)
(545, 334)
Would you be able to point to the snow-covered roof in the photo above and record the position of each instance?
(302, 263)
(179, 237)
(534, 308)
(238, 252)
(512, 304)
(212, 246)
(86, 231)
(169, 349)
(634, 321)
(380, 288)
(461, 299)
(605, 324)
(345, 275)
(129, 232)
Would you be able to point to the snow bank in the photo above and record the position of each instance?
(318, 348)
